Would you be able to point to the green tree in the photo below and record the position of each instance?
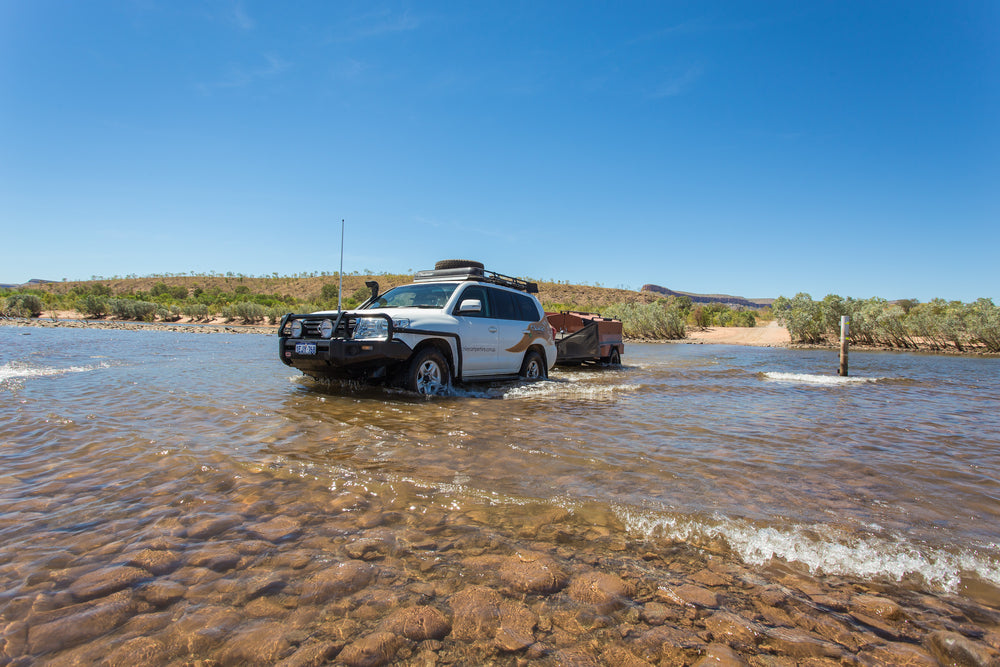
(802, 316)
(93, 305)
(329, 292)
(24, 305)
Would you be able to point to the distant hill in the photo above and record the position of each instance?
(553, 295)
(711, 298)
(34, 282)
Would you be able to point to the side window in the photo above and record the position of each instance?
(527, 310)
(475, 292)
(505, 307)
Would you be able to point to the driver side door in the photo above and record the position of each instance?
(479, 333)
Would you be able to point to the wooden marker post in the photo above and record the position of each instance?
(844, 327)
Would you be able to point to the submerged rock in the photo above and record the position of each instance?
(156, 561)
(137, 652)
(418, 623)
(278, 529)
(88, 622)
(952, 648)
(720, 655)
(338, 580)
(481, 613)
(371, 651)
(106, 581)
(532, 573)
(257, 644)
(605, 591)
(899, 654)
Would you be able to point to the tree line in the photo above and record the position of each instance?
(904, 324)
(170, 303)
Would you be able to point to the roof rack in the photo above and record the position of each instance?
(477, 274)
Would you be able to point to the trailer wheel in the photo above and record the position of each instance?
(533, 367)
(427, 373)
(615, 359)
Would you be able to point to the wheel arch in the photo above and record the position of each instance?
(444, 348)
(540, 350)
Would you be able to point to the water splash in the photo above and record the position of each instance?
(574, 389)
(827, 380)
(822, 549)
(18, 371)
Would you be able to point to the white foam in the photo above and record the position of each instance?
(809, 378)
(822, 549)
(16, 371)
(573, 389)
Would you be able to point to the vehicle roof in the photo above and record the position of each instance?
(475, 274)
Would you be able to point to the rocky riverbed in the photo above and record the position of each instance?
(354, 580)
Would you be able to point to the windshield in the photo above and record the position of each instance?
(415, 296)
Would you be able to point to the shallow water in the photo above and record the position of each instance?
(118, 442)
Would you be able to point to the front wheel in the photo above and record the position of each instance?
(428, 373)
(533, 367)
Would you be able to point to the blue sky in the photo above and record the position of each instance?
(750, 148)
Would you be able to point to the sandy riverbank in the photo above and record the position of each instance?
(769, 335)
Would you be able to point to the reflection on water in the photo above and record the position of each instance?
(189, 497)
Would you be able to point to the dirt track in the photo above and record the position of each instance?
(771, 335)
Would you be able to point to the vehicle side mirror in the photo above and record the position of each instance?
(470, 306)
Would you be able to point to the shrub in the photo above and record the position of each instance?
(649, 320)
(983, 321)
(93, 305)
(196, 311)
(23, 305)
(275, 313)
(702, 316)
(329, 292)
(171, 314)
(907, 324)
(802, 316)
(247, 311)
(131, 309)
(737, 318)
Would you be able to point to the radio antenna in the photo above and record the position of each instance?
(340, 289)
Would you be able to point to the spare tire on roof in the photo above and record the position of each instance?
(457, 264)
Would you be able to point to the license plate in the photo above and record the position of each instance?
(305, 348)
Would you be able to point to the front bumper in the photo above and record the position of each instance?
(340, 358)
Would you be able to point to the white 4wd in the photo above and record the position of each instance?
(458, 322)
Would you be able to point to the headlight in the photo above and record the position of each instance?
(326, 329)
(297, 329)
(371, 328)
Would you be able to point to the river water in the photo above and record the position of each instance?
(168, 497)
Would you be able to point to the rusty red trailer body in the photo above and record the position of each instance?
(586, 337)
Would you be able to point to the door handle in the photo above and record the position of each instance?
(493, 329)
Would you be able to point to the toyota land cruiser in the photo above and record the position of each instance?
(456, 323)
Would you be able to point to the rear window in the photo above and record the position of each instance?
(505, 306)
(526, 307)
